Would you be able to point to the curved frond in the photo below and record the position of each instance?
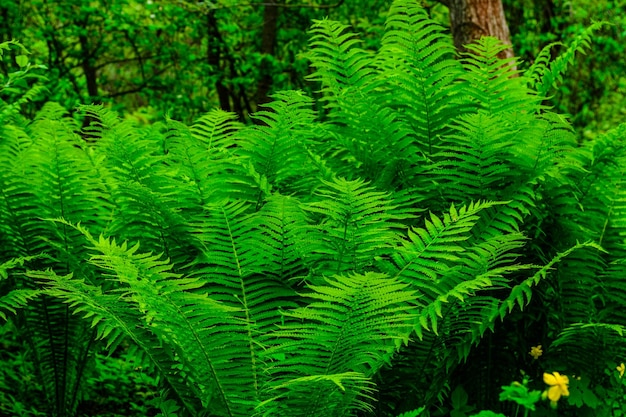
(356, 225)
(491, 82)
(348, 330)
(549, 77)
(278, 146)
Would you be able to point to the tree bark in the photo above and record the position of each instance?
(472, 19)
(214, 57)
(268, 44)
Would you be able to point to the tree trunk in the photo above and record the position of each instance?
(472, 19)
(268, 44)
(214, 57)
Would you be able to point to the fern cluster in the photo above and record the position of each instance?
(334, 264)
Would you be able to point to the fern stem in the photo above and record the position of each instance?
(246, 308)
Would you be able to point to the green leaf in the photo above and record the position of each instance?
(22, 60)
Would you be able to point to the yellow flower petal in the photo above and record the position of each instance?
(558, 386)
(554, 393)
(549, 379)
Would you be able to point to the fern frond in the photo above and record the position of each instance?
(210, 343)
(435, 248)
(540, 64)
(417, 73)
(356, 224)
(203, 156)
(521, 294)
(491, 82)
(114, 320)
(216, 129)
(576, 342)
(14, 299)
(277, 147)
(282, 224)
(338, 64)
(473, 161)
(147, 198)
(548, 78)
(340, 339)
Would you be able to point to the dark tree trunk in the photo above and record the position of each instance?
(214, 57)
(268, 44)
(472, 19)
(89, 69)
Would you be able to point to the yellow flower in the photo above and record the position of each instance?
(536, 351)
(621, 368)
(558, 387)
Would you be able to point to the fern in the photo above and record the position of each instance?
(339, 66)
(490, 82)
(336, 343)
(278, 146)
(211, 137)
(544, 78)
(283, 225)
(419, 74)
(55, 179)
(357, 224)
(205, 336)
(14, 299)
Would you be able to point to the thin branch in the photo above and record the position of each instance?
(143, 85)
(127, 60)
(206, 7)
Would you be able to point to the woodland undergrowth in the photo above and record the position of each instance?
(397, 246)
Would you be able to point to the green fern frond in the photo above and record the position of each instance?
(148, 200)
(472, 162)
(14, 192)
(234, 262)
(55, 178)
(339, 397)
(417, 72)
(355, 225)
(14, 299)
(428, 251)
(210, 344)
(542, 145)
(282, 224)
(491, 82)
(548, 78)
(341, 338)
(216, 129)
(338, 64)
(58, 181)
(454, 274)
(540, 64)
(203, 157)
(115, 321)
(277, 146)
(576, 342)
(521, 294)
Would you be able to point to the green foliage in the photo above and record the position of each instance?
(18, 85)
(344, 262)
(594, 87)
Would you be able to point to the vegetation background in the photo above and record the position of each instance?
(545, 219)
(182, 58)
